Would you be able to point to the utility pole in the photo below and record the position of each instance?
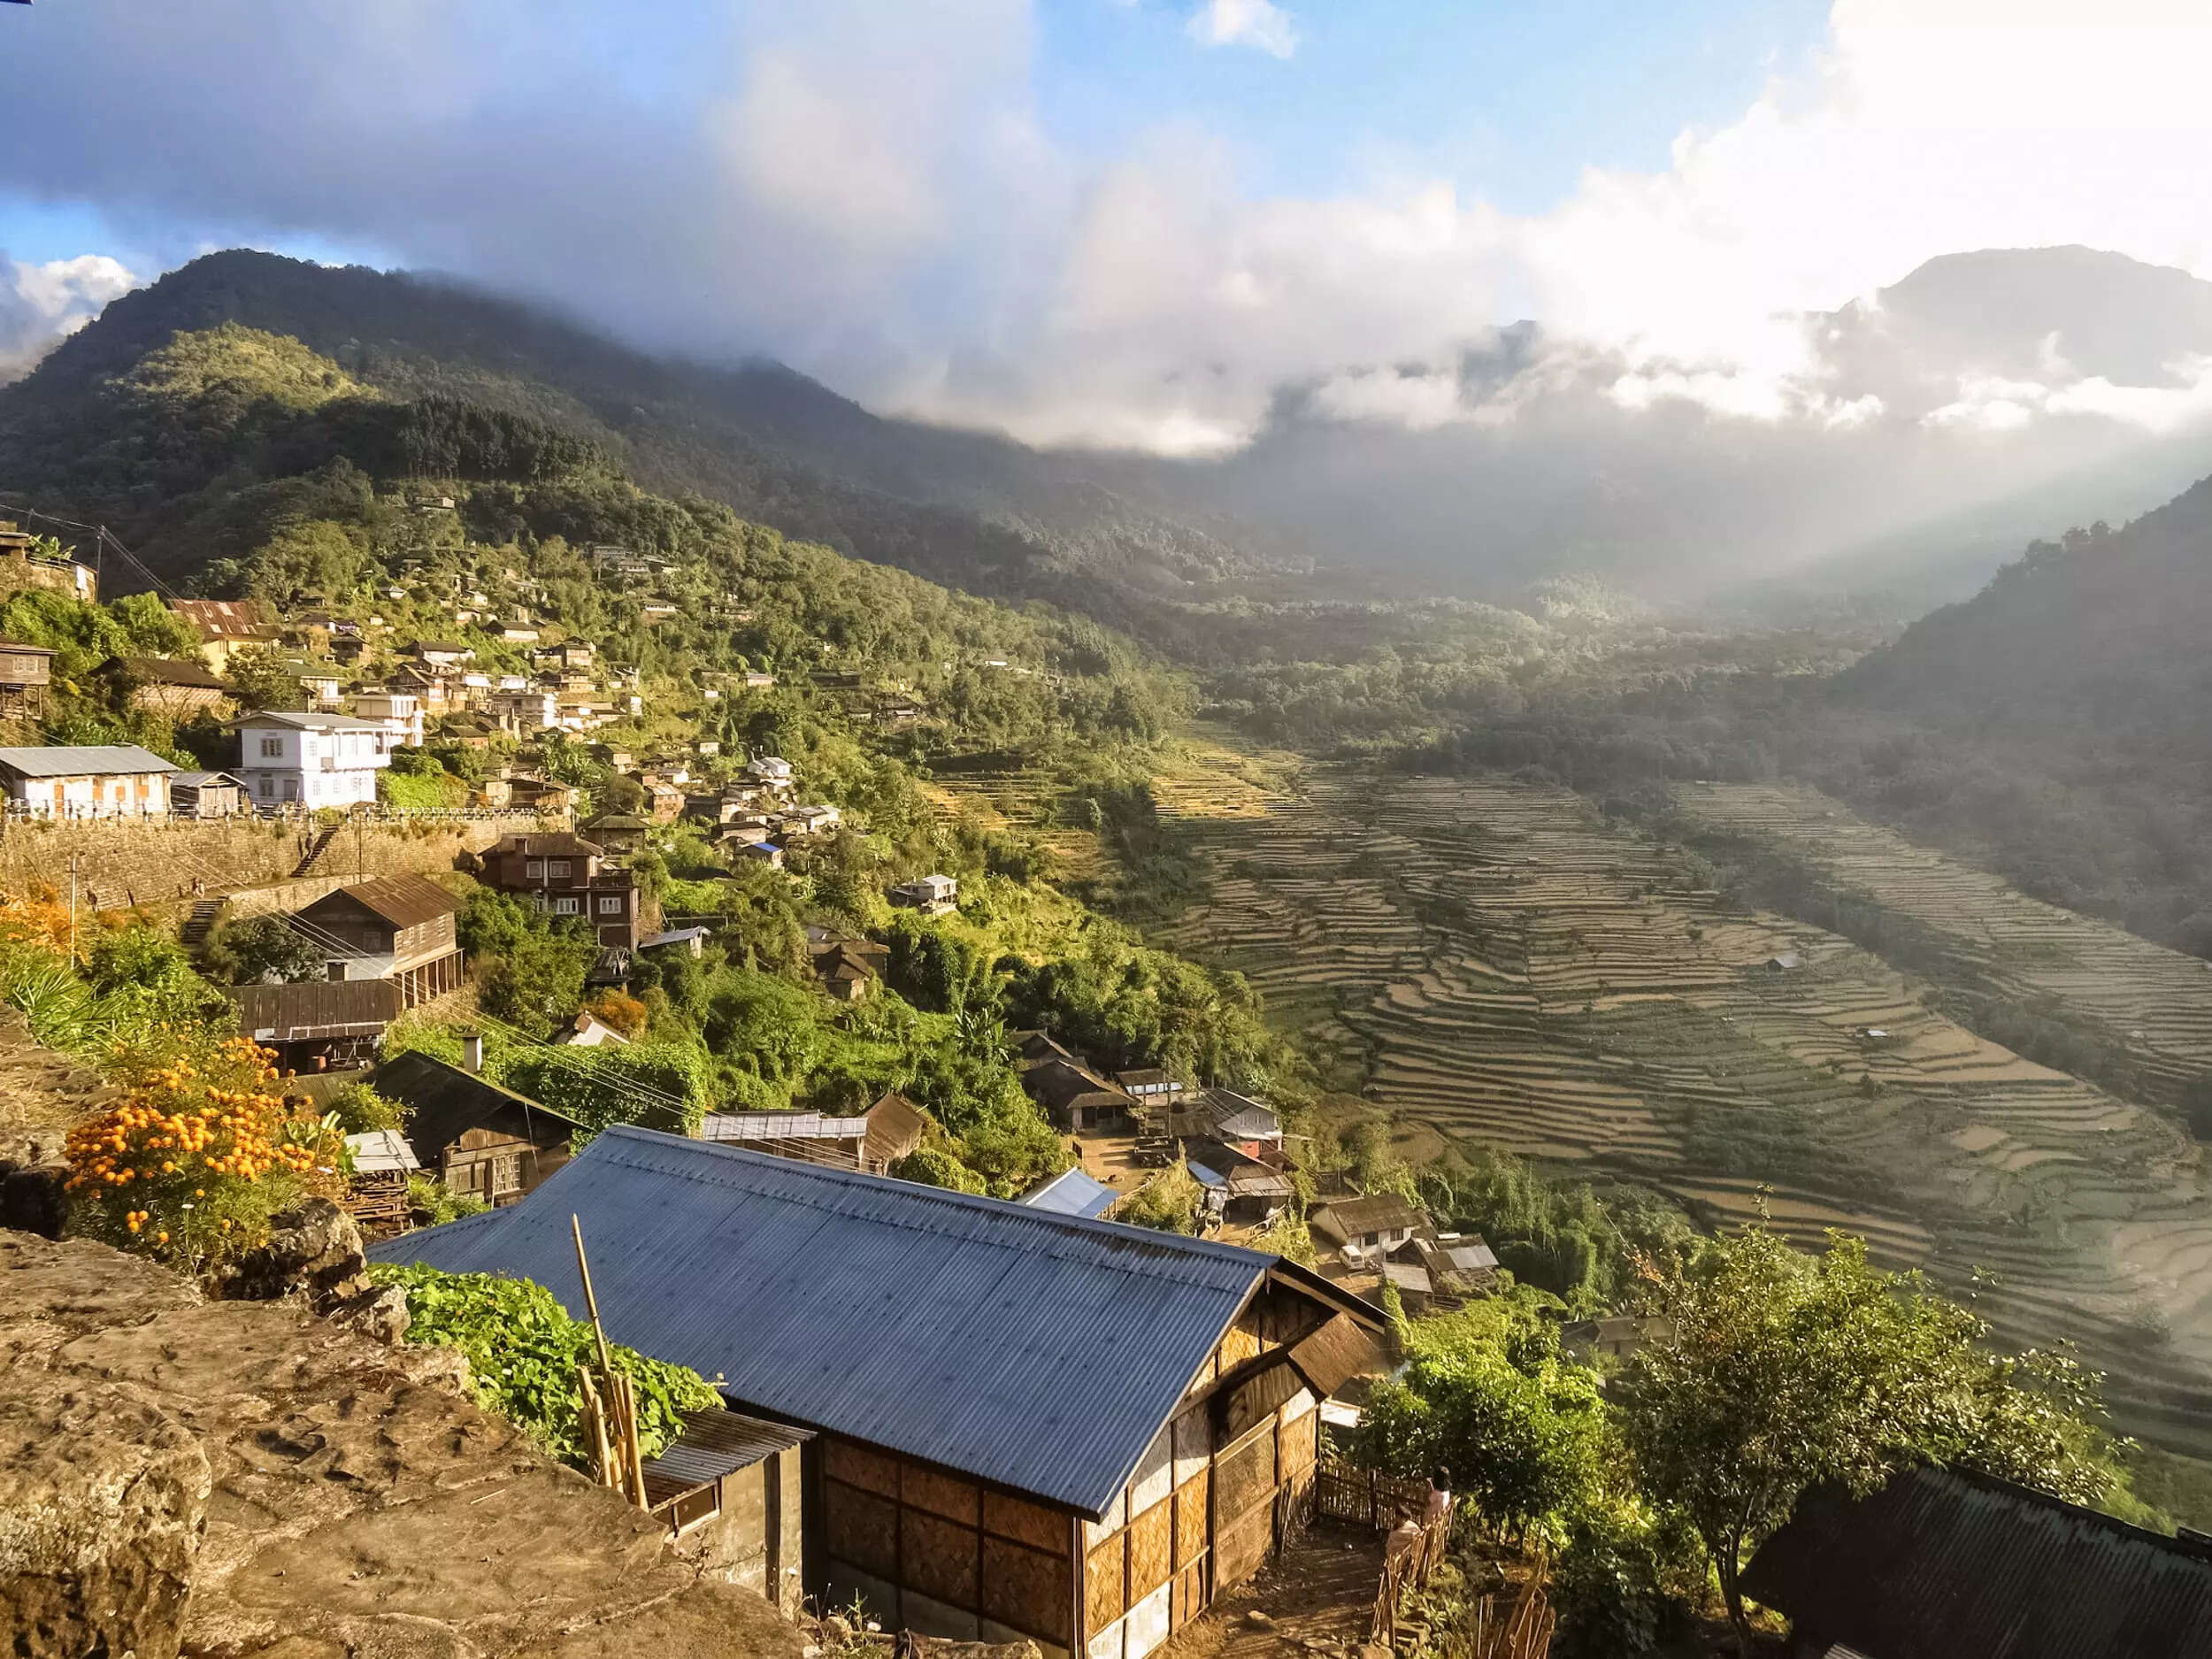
(72, 907)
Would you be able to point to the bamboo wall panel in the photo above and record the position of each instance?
(1146, 1625)
(1030, 1523)
(861, 1527)
(1151, 1549)
(1244, 1476)
(1105, 1584)
(858, 1466)
(1242, 1545)
(954, 1499)
(939, 1558)
(1190, 1520)
(1194, 1444)
(1027, 1588)
(1241, 1343)
(1187, 1600)
(1155, 1473)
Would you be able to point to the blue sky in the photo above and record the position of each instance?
(1513, 100)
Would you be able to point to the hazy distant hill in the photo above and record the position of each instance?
(2105, 629)
(2059, 723)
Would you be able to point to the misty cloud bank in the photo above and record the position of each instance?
(869, 191)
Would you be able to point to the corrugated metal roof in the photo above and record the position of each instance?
(1039, 1352)
(1072, 1193)
(81, 760)
(316, 1008)
(380, 1152)
(715, 1443)
(780, 1126)
(1940, 1564)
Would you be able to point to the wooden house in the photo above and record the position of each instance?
(228, 628)
(566, 875)
(896, 1126)
(761, 853)
(848, 969)
(619, 831)
(1943, 1564)
(1077, 1099)
(1028, 1425)
(1378, 1222)
(320, 1026)
(26, 674)
(399, 928)
(482, 1140)
(160, 686)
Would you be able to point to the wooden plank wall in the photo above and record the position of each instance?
(942, 1556)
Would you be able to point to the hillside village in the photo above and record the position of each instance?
(492, 912)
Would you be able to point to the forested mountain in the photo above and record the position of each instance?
(981, 512)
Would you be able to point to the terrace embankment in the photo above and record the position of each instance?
(1498, 961)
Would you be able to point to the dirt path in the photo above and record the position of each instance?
(1317, 1600)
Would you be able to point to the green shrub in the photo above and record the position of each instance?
(524, 1353)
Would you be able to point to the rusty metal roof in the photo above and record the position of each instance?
(404, 901)
(1941, 1564)
(1036, 1352)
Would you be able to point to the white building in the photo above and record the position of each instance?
(88, 780)
(312, 760)
(523, 710)
(401, 710)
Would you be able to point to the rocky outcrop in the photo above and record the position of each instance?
(314, 1251)
(351, 1501)
(102, 1497)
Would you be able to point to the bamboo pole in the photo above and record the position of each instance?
(591, 1301)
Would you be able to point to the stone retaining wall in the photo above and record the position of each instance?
(155, 861)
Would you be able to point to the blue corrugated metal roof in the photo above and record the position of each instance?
(1038, 1351)
(1071, 1192)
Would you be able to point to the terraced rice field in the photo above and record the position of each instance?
(1497, 960)
(2157, 1002)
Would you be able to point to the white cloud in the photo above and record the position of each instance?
(866, 188)
(40, 305)
(1254, 23)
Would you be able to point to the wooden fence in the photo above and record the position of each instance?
(1511, 1623)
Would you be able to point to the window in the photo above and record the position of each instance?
(557, 869)
(564, 907)
(610, 906)
(268, 786)
(273, 749)
(507, 1173)
(534, 869)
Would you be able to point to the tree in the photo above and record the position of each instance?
(263, 950)
(260, 680)
(1785, 1371)
(1486, 1399)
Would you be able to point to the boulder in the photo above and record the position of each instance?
(103, 1503)
(314, 1251)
